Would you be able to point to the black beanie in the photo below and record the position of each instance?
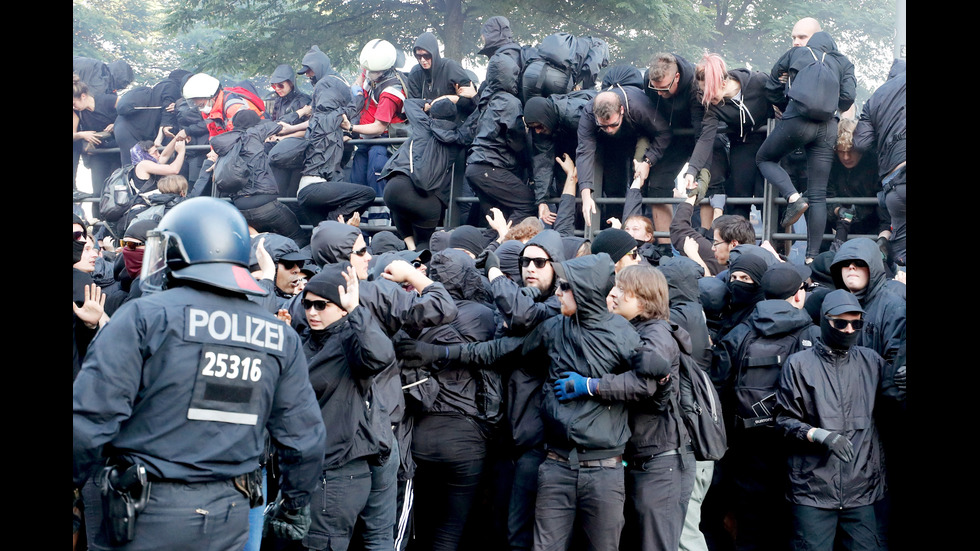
(326, 282)
(615, 243)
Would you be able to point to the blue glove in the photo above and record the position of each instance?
(571, 385)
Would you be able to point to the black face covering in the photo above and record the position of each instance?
(745, 294)
(838, 340)
(76, 250)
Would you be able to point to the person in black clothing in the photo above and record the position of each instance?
(797, 130)
(436, 77)
(93, 117)
(494, 166)
(736, 98)
(854, 174)
(346, 349)
(419, 174)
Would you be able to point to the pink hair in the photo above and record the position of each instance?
(712, 71)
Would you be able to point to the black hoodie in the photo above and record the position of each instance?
(882, 124)
(440, 80)
(592, 342)
(284, 108)
(884, 311)
(799, 57)
(331, 100)
(500, 137)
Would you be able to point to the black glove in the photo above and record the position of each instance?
(492, 261)
(419, 354)
(900, 375)
(287, 523)
(835, 442)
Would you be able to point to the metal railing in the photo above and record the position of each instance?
(768, 205)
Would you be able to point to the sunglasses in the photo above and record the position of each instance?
(78, 235)
(841, 324)
(290, 264)
(278, 85)
(416, 264)
(633, 254)
(667, 89)
(612, 124)
(427, 57)
(361, 251)
(539, 263)
(131, 245)
(564, 286)
(318, 305)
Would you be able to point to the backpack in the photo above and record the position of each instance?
(816, 89)
(231, 172)
(118, 194)
(760, 362)
(701, 410)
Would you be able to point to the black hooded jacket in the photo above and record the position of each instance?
(428, 156)
(882, 124)
(682, 276)
(799, 57)
(331, 100)
(684, 108)
(743, 116)
(252, 153)
(884, 311)
(499, 138)
(440, 80)
(343, 360)
(284, 108)
(592, 342)
(560, 114)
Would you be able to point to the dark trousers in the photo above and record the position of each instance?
(367, 165)
(744, 179)
(523, 494)
(201, 516)
(378, 516)
(660, 490)
(818, 140)
(501, 188)
(895, 203)
(276, 217)
(328, 200)
(854, 529)
(337, 500)
(590, 498)
(415, 213)
(444, 495)
(101, 166)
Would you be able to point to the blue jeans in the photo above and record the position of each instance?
(367, 165)
(256, 519)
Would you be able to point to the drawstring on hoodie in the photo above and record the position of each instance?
(743, 112)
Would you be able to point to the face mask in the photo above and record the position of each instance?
(207, 107)
(77, 247)
(375, 76)
(838, 340)
(133, 258)
(744, 294)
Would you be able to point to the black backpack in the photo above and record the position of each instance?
(816, 89)
(760, 362)
(701, 410)
(118, 194)
(231, 171)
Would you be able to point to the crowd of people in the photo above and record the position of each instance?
(242, 382)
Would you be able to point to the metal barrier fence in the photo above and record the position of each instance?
(768, 205)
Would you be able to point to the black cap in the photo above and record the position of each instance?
(840, 302)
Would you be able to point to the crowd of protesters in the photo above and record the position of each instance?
(510, 384)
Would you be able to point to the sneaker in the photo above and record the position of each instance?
(793, 212)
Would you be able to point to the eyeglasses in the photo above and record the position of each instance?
(78, 235)
(278, 85)
(612, 124)
(667, 89)
(318, 305)
(841, 324)
(360, 252)
(290, 264)
(539, 263)
(425, 56)
(564, 286)
(718, 243)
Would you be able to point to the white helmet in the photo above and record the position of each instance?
(378, 55)
(201, 85)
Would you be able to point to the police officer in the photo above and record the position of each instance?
(177, 391)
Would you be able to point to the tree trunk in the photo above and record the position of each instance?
(452, 29)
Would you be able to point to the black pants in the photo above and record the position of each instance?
(660, 490)
(328, 200)
(590, 498)
(444, 495)
(415, 213)
(818, 140)
(744, 179)
(854, 529)
(276, 217)
(501, 188)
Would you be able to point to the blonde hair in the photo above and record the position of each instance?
(78, 87)
(845, 134)
(648, 285)
(173, 183)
